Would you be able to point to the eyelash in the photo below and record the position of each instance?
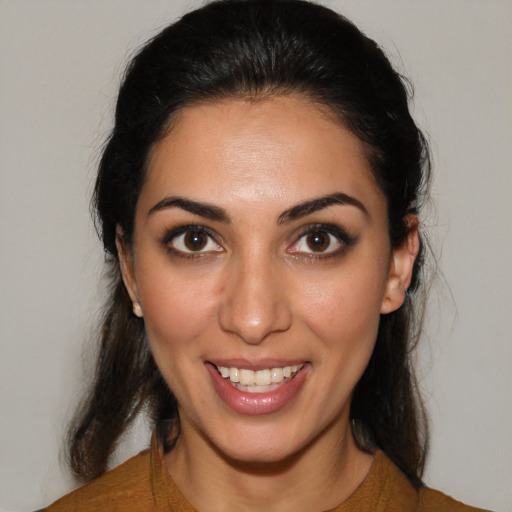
(340, 235)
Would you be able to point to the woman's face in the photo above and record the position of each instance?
(262, 264)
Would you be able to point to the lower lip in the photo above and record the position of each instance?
(257, 403)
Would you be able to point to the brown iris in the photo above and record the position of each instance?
(195, 240)
(318, 241)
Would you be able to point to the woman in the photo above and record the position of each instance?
(258, 200)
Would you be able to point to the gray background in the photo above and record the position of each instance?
(60, 63)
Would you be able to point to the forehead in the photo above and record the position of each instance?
(280, 149)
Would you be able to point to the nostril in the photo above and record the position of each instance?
(253, 303)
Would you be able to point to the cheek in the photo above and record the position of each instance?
(176, 310)
(176, 316)
(344, 307)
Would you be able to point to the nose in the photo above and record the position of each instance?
(254, 303)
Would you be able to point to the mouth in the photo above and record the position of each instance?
(257, 388)
(258, 381)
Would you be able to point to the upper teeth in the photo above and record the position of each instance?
(259, 377)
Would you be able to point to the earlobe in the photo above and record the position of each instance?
(401, 268)
(137, 310)
(126, 264)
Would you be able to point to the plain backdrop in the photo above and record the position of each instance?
(60, 63)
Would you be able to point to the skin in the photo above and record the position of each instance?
(258, 291)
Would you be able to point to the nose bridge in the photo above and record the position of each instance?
(254, 303)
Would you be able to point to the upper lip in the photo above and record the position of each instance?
(256, 364)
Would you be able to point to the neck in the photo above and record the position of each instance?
(319, 477)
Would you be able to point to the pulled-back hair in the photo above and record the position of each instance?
(240, 49)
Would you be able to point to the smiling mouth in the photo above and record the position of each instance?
(259, 381)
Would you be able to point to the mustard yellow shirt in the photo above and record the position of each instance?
(143, 484)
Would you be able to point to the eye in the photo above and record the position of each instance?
(317, 242)
(190, 240)
(321, 240)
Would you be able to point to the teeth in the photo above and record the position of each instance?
(257, 381)
(246, 377)
(234, 375)
(276, 374)
(263, 378)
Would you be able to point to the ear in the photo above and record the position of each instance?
(126, 263)
(401, 268)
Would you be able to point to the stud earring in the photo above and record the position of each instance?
(137, 310)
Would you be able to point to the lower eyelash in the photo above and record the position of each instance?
(311, 256)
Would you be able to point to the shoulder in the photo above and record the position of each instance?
(431, 500)
(127, 487)
(387, 489)
(402, 493)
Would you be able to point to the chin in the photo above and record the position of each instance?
(260, 446)
(267, 455)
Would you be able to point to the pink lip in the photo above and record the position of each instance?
(257, 403)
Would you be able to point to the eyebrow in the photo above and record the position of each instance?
(314, 205)
(205, 210)
(218, 214)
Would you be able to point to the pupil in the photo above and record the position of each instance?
(195, 240)
(318, 241)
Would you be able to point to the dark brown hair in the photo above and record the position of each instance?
(236, 48)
